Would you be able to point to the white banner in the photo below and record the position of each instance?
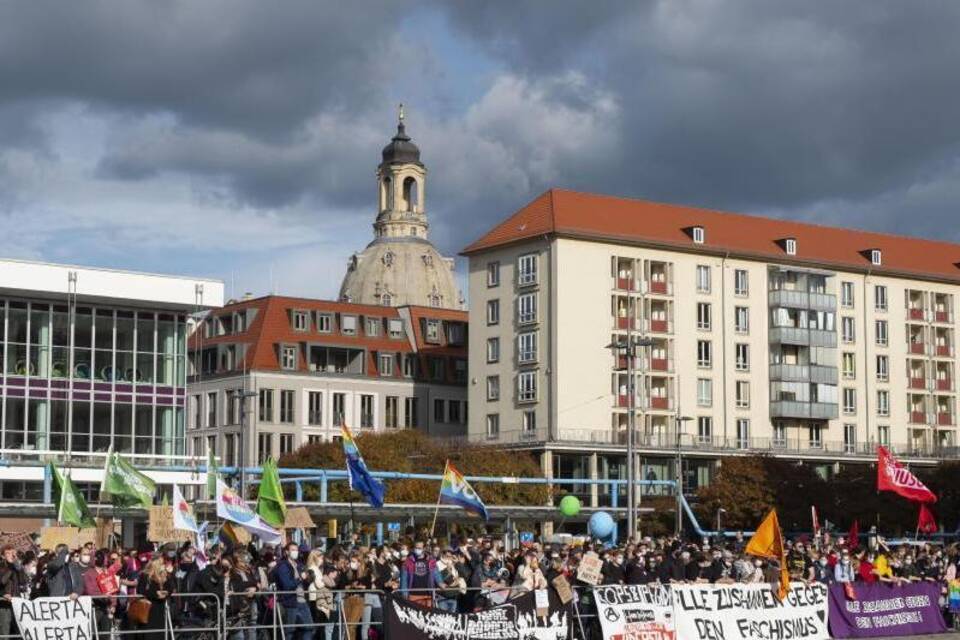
(712, 612)
(44, 618)
(635, 612)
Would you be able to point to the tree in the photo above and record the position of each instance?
(743, 488)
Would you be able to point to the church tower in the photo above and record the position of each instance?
(400, 266)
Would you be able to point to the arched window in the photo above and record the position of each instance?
(435, 300)
(386, 194)
(386, 300)
(411, 193)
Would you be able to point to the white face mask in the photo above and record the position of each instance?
(354, 565)
(294, 554)
(84, 559)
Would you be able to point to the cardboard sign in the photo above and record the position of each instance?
(563, 589)
(19, 540)
(298, 518)
(105, 530)
(54, 617)
(160, 527)
(590, 567)
(542, 600)
(50, 537)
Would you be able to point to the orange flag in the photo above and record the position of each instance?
(767, 542)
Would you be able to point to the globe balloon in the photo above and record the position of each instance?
(570, 506)
(601, 525)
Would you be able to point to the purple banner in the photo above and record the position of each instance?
(880, 610)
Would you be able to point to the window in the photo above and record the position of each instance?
(409, 365)
(493, 349)
(286, 406)
(779, 434)
(876, 257)
(265, 406)
(742, 390)
(391, 412)
(527, 347)
(741, 320)
(743, 433)
(849, 438)
(527, 269)
(790, 245)
(703, 278)
(527, 386)
(846, 294)
(493, 425)
(264, 447)
(704, 429)
(233, 405)
(411, 412)
(815, 436)
(453, 409)
(527, 308)
(883, 368)
(301, 321)
(881, 330)
(212, 409)
(348, 325)
(314, 439)
(699, 235)
(883, 403)
(883, 435)
(455, 332)
(395, 327)
(742, 352)
(741, 282)
(439, 410)
(493, 387)
(230, 450)
(286, 443)
(432, 333)
(386, 364)
(366, 411)
(315, 408)
(288, 357)
(849, 365)
(373, 327)
(493, 312)
(339, 409)
(703, 315)
(197, 411)
(529, 423)
(704, 392)
(704, 353)
(493, 274)
(880, 297)
(324, 322)
(849, 401)
(847, 333)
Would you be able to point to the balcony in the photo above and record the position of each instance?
(944, 350)
(659, 326)
(942, 316)
(803, 373)
(661, 364)
(803, 337)
(626, 323)
(626, 284)
(944, 384)
(623, 401)
(945, 419)
(658, 403)
(917, 348)
(659, 286)
(918, 417)
(918, 382)
(800, 409)
(802, 300)
(623, 363)
(915, 314)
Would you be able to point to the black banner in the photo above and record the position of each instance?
(516, 619)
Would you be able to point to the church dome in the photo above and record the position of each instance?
(401, 149)
(396, 272)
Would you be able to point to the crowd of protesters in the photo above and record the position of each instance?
(321, 593)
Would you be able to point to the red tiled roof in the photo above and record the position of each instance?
(607, 218)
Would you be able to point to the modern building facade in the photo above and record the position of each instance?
(92, 359)
(753, 334)
(400, 267)
(273, 373)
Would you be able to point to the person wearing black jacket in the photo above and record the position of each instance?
(638, 572)
(13, 582)
(612, 570)
(212, 580)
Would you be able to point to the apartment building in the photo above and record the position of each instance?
(755, 335)
(273, 373)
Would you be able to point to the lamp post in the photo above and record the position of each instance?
(719, 511)
(244, 412)
(630, 348)
(679, 464)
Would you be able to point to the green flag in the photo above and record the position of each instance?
(71, 507)
(212, 473)
(123, 485)
(270, 504)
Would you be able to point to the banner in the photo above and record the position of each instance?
(629, 612)
(880, 610)
(43, 618)
(517, 619)
(183, 516)
(749, 611)
(232, 508)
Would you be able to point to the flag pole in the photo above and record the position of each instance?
(439, 493)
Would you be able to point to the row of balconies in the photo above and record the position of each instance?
(803, 337)
(919, 348)
(919, 314)
(802, 300)
(633, 285)
(943, 419)
(804, 410)
(645, 364)
(929, 384)
(819, 374)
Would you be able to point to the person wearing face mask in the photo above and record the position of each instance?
(212, 580)
(99, 580)
(12, 582)
(612, 570)
(822, 571)
(64, 576)
(843, 571)
(292, 583)
(418, 575)
(157, 586)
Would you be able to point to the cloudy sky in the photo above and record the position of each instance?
(239, 138)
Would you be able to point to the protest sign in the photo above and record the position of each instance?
(749, 611)
(635, 611)
(515, 620)
(160, 527)
(560, 583)
(878, 610)
(43, 618)
(74, 538)
(590, 568)
(298, 518)
(20, 540)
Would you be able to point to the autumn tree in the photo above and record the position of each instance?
(743, 488)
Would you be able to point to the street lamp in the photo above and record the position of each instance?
(629, 347)
(719, 511)
(679, 464)
(243, 424)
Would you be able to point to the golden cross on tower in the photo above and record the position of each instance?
(400, 112)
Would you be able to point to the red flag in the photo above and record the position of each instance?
(926, 522)
(853, 538)
(816, 521)
(893, 476)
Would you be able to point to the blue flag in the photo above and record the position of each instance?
(360, 478)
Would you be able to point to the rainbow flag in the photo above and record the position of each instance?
(454, 489)
(360, 478)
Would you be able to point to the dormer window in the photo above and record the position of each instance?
(790, 246)
(699, 234)
(876, 257)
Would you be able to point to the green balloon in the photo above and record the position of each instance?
(570, 506)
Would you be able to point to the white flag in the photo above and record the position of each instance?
(183, 517)
(230, 506)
